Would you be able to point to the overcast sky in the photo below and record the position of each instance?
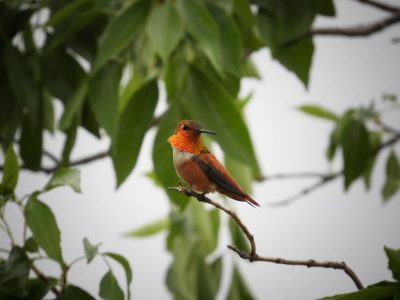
(326, 225)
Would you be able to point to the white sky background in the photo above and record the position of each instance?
(326, 225)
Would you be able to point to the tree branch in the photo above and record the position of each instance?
(325, 179)
(380, 5)
(253, 256)
(354, 31)
(309, 263)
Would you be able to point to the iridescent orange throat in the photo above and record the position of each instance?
(182, 142)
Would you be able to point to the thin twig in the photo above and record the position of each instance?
(309, 189)
(380, 5)
(299, 175)
(309, 263)
(253, 256)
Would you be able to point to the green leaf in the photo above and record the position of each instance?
(72, 292)
(319, 112)
(64, 33)
(62, 75)
(392, 182)
(239, 239)
(90, 250)
(22, 81)
(31, 245)
(10, 171)
(31, 143)
(103, 96)
(355, 144)
(149, 229)
(109, 288)
(134, 123)
(326, 8)
(208, 277)
(370, 293)
(164, 28)
(238, 289)
(65, 176)
(203, 28)
(280, 25)
(394, 261)
(123, 29)
(41, 221)
(127, 268)
(230, 41)
(65, 12)
(374, 142)
(38, 289)
(48, 113)
(162, 155)
(205, 225)
(181, 277)
(297, 57)
(74, 106)
(70, 140)
(209, 104)
(14, 273)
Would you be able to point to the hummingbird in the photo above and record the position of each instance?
(198, 167)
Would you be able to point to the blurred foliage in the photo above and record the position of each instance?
(42, 240)
(103, 64)
(360, 134)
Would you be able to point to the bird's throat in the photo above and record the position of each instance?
(192, 144)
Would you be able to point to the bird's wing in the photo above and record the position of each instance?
(224, 181)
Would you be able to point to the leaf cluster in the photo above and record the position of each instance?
(42, 240)
(360, 135)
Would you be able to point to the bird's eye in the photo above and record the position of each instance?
(185, 127)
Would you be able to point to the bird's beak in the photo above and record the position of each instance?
(207, 131)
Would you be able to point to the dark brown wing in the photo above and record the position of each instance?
(225, 181)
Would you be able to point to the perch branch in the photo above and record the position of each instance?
(253, 256)
(234, 216)
(309, 263)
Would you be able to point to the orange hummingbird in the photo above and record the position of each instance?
(198, 167)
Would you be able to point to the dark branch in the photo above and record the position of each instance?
(299, 175)
(309, 263)
(355, 31)
(352, 31)
(380, 5)
(253, 256)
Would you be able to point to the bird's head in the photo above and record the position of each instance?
(187, 136)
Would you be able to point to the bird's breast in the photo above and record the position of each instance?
(190, 172)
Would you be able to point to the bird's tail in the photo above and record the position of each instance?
(251, 201)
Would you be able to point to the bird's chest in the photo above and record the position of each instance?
(181, 157)
(190, 172)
